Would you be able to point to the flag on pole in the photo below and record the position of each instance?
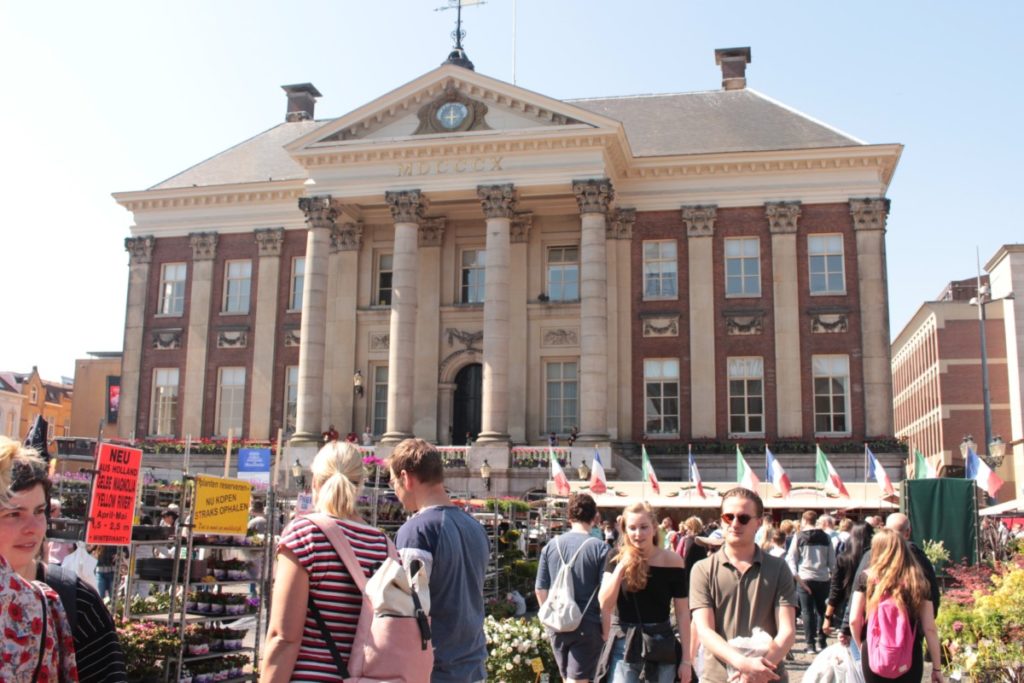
(745, 476)
(923, 469)
(775, 474)
(695, 476)
(824, 473)
(648, 472)
(558, 475)
(876, 471)
(978, 470)
(598, 481)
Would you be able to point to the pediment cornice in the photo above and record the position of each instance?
(214, 195)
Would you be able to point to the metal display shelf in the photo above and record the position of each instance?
(187, 659)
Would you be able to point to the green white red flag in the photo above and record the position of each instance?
(648, 474)
(923, 468)
(745, 476)
(558, 475)
(824, 473)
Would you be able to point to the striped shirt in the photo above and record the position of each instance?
(333, 590)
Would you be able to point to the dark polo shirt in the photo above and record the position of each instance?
(741, 602)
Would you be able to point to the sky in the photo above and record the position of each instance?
(119, 95)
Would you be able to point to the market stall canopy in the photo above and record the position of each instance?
(1010, 507)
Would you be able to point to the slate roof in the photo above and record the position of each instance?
(656, 125)
(713, 121)
(258, 159)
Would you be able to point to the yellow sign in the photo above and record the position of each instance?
(222, 506)
(537, 664)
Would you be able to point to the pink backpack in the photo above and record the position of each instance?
(890, 641)
(386, 648)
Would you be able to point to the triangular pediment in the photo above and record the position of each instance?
(450, 101)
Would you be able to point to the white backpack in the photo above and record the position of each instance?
(560, 612)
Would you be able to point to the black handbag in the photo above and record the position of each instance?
(659, 644)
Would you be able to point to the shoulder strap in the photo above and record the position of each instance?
(65, 582)
(42, 636)
(344, 548)
(328, 638)
(572, 559)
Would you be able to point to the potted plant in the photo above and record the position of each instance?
(203, 603)
(196, 642)
(235, 604)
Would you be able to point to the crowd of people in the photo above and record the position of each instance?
(685, 600)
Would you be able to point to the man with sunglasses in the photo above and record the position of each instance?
(740, 588)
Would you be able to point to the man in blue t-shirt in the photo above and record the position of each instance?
(454, 551)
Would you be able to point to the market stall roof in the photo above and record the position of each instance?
(1010, 507)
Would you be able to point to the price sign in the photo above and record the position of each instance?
(222, 506)
(112, 507)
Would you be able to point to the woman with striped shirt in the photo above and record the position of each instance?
(308, 567)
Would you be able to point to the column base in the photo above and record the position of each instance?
(492, 437)
(304, 439)
(593, 439)
(392, 438)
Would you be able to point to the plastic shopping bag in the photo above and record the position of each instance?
(81, 563)
(834, 664)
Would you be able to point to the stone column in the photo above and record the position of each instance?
(262, 382)
(140, 255)
(620, 375)
(869, 218)
(340, 336)
(204, 250)
(407, 210)
(320, 216)
(428, 327)
(700, 229)
(498, 203)
(593, 197)
(782, 223)
(518, 345)
(445, 394)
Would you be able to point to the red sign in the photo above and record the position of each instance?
(112, 508)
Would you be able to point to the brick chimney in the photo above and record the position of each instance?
(733, 61)
(301, 101)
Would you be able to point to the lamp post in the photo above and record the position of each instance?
(583, 471)
(996, 450)
(299, 475)
(485, 474)
(985, 297)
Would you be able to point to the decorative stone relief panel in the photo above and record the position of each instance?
(269, 241)
(829, 323)
(432, 231)
(558, 336)
(380, 341)
(666, 325)
(520, 228)
(470, 340)
(232, 338)
(204, 245)
(700, 220)
(782, 216)
(473, 117)
(346, 237)
(620, 224)
(291, 336)
(140, 249)
(167, 338)
(744, 324)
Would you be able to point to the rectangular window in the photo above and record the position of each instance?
(164, 403)
(472, 283)
(172, 289)
(746, 396)
(291, 398)
(563, 274)
(385, 268)
(230, 400)
(831, 394)
(237, 279)
(380, 399)
(660, 269)
(743, 267)
(562, 396)
(661, 396)
(298, 282)
(825, 261)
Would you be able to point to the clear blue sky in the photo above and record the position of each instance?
(113, 96)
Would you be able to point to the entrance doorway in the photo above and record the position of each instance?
(468, 403)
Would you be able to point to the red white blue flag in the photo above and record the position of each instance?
(598, 481)
(878, 473)
(695, 477)
(775, 474)
(978, 470)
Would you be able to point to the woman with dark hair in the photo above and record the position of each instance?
(858, 545)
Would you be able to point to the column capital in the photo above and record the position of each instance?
(346, 237)
(782, 216)
(593, 195)
(269, 240)
(519, 231)
(431, 231)
(204, 245)
(407, 206)
(700, 220)
(320, 211)
(140, 249)
(498, 201)
(620, 224)
(869, 213)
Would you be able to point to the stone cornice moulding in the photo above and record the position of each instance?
(286, 191)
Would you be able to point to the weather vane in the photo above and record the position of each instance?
(458, 55)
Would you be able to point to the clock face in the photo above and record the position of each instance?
(451, 114)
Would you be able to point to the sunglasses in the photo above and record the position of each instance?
(743, 519)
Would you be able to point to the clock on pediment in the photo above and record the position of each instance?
(453, 112)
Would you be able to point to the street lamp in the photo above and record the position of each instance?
(583, 471)
(996, 451)
(985, 297)
(485, 474)
(299, 475)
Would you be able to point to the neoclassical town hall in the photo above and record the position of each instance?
(462, 256)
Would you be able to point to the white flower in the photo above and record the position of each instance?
(508, 666)
(516, 660)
